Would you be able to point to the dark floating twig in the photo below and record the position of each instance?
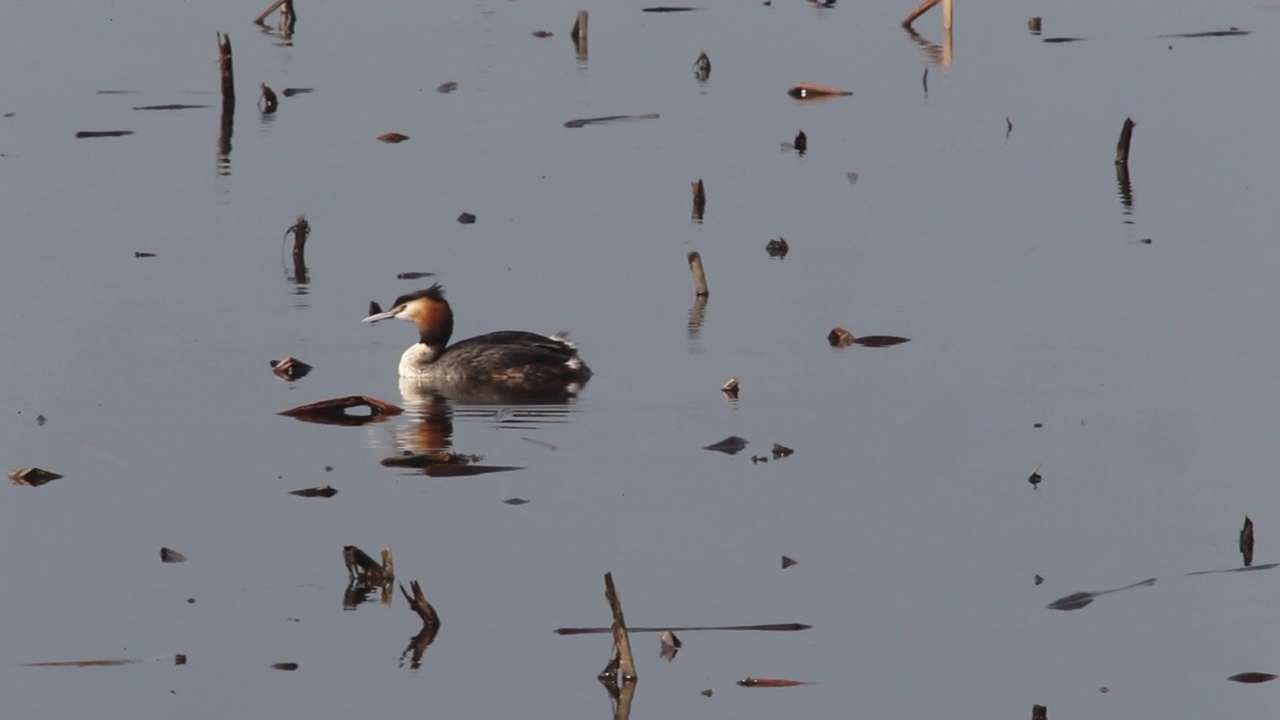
(418, 603)
(1037, 580)
(515, 501)
(800, 144)
(179, 659)
(1230, 32)
(699, 200)
(1251, 568)
(839, 338)
(814, 91)
(699, 275)
(757, 459)
(320, 491)
(1039, 712)
(579, 34)
(702, 68)
(667, 9)
(227, 74)
(102, 133)
(730, 388)
(789, 562)
(781, 451)
(1078, 600)
(268, 102)
(777, 248)
(771, 682)
(623, 664)
(1126, 136)
(769, 627)
(446, 88)
(286, 666)
(1008, 127)
(924, 80)
(467, 218)
(393, 137)
(1059, 40)
(32, 477)
(117, 92)
(542, 33)
(731, 445)
(410, 276)
(290, 92)
(174, 106)
(1252, 678)
(334, 411)
(1246, 541)
(583, 122)
(301, 230)
(1034, 478)
(1034, 25)
(169, 555)
(143, 254)
(290, 368)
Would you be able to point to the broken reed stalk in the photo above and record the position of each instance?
(699, 200)
(699, 275)
(388, 564)
(621, 642)
(301, 231)
(1122, 147)
(579, 33)
(418, 603)
(261, 19)
(1039, 712)
(288, 18)
(946, 15)
(228, 76)
(924, 7)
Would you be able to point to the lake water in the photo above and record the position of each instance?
(1008, 258)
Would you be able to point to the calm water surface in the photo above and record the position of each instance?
(1009, 260)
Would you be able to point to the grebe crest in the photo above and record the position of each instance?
(509, 357)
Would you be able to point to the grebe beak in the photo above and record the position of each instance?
(388, 315)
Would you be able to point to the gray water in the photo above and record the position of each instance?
(1010, 261)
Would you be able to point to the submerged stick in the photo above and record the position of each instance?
(621, 642)
(769, 627)
(922, 9)
(699, 275)
(1122, 147)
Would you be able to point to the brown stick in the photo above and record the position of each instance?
(288, 18)
(1122, 147)
(261, 19)
(699, 275)
(418, 603)
(228, 76)
(699, 200)
(924, 7)
(621, 642)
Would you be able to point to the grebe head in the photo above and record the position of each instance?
(428, 310)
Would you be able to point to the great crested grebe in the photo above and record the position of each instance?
(510, 357)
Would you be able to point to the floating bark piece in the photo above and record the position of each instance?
(781, 451)
(287, 667)
(579, 33)
(1038, 580)
(412, 276)
(446, 88)
(334, 411)
(669, 646)
(807, 91)
(1126, 136)
(515, 501)
(789, 562)
(290, 368)
(1035, 478)
(771, 682)
(839, 337)
(268, 101)
(320, 491)
(175, 106)
(393, 137)
(227, 73)
(1039, 712)
(623, 662)
(102, 133)
(1252, 677)
(1034, 25)
(542, 33)
(290, 92)
(1230, 32)
(1246, 541)
(140, 254)
(1252, 568)
(731, 445)
(1078, 600)
(32, 476)
(770, 627)
(731, 388)
(702, 68)
(699, 275)
(699, 200)
(467, 218)
(169, 555)
(777, 248)
(583, 122)
(709, 692)
(1058, 40)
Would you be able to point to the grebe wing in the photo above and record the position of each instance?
(520, 346)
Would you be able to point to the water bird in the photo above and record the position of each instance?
(508, 358)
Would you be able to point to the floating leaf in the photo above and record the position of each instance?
(789, 562)
(320, 491)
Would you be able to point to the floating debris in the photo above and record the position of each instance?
(770, 682)
(1126, 137)
(579, 33)
(800, 144)
(411, 276)
(812, 91)
(98, 663)
(540, 443)
(446, 88)
(142, 254)
(40, 420)
(393, 137)
(667, 9)
(268, 102)
(757, 459)
(169, 555)
(1230, 32)
(699, 274)
(670, 645)
(288, 667)
(334, 411)
(1039, 712)
(429, 458)
(781, 451)
(320, 491)
(770, 627)
(731, 445)
(1063, 39)
(709, 692)
(290, 368)
(583, 122)
(1034, 25)
(699, 200)
(789, 562)
(702, 68)
(1008, 127)
(852, 177)
(290, 92)
(1076, 601)
(103, 133)
(176, 106)
(515, 501)
(777, 248)
(1252, 678)
(1035, 478)
(730, 388)
(1038, 580)
(1037, 425)
(117, 92)
(33, 476)
(839, 337)
(1104, 689)
(542, 33)
(364, 569)
(467, 218)
(1246, 541)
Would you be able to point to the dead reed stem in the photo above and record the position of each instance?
(699, 275)
(1126, 136)
(922, 9)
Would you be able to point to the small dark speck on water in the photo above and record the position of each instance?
(40, 420)
(1145, 241)
(1039, 580)
(288, 666)
(467, 218)
(731, 445)
(446, 88)
(1038, 425)
(141, 254)
(516, 501)
(413, 275)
